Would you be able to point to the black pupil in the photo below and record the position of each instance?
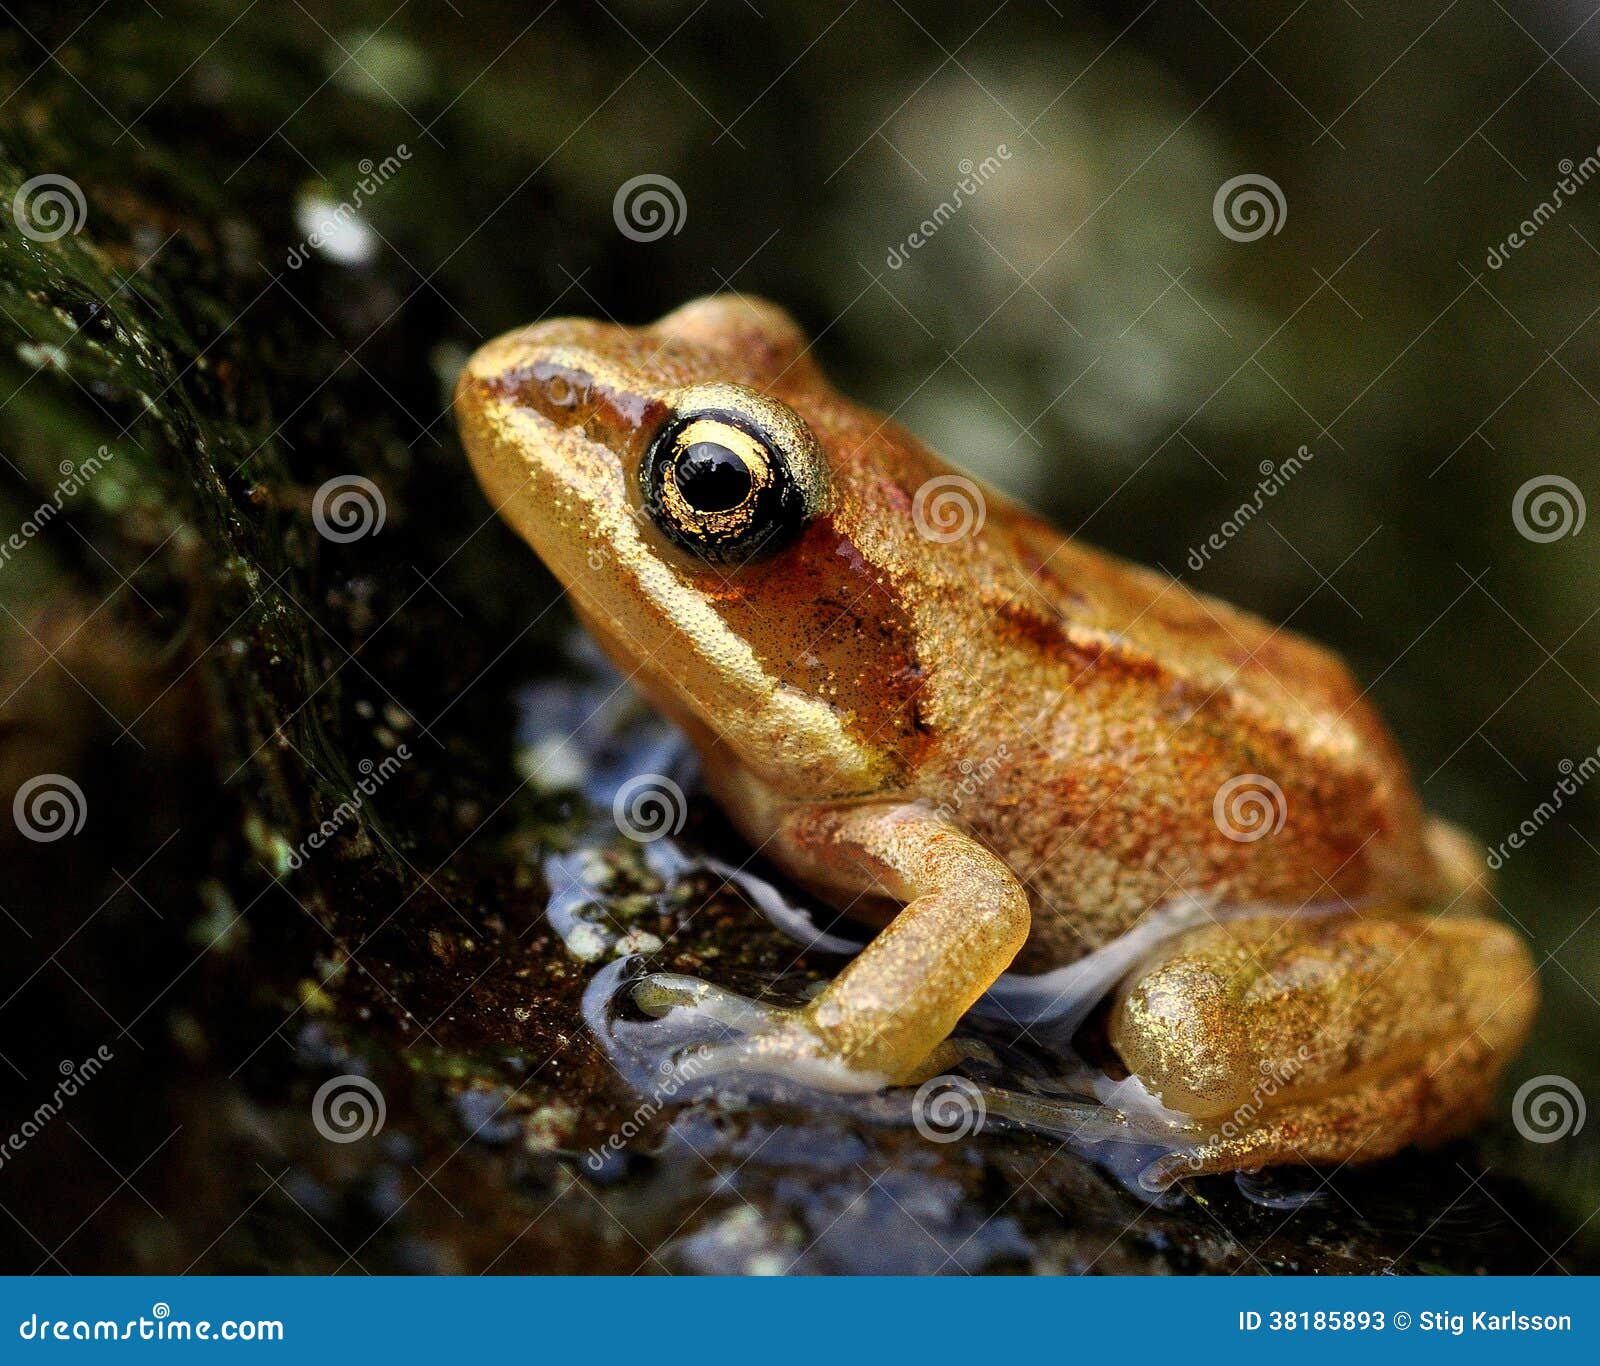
(712, 478)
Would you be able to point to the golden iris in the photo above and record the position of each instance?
(713, 478)
(731, 476)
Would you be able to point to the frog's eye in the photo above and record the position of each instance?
(729, 486)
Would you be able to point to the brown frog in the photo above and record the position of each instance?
(933, 710)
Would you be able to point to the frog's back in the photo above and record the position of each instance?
(1122, 740)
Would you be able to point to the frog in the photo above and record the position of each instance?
(1001, 751)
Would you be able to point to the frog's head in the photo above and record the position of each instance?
(713, 507)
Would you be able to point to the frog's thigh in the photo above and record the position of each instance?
(964, 918)
(1326, 1039)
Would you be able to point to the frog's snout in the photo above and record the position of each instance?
(564, 373)
(515, 369)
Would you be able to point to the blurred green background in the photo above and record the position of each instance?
(1080, 331)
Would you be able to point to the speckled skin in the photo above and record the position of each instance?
(1009, 738)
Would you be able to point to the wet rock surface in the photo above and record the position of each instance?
(344, 1035)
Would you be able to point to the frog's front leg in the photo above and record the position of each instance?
(1325, 1039)
(964, 917)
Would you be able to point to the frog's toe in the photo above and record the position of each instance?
(662, 992)
(948, 1056)
(788, 1049)
(742, 1035)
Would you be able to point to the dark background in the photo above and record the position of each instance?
(1080, 332)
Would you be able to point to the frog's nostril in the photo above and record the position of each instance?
(559, 391)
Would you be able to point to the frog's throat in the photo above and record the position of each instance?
(655, 624)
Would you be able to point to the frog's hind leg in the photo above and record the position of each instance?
(1441, 1097)
(1328, 1039)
